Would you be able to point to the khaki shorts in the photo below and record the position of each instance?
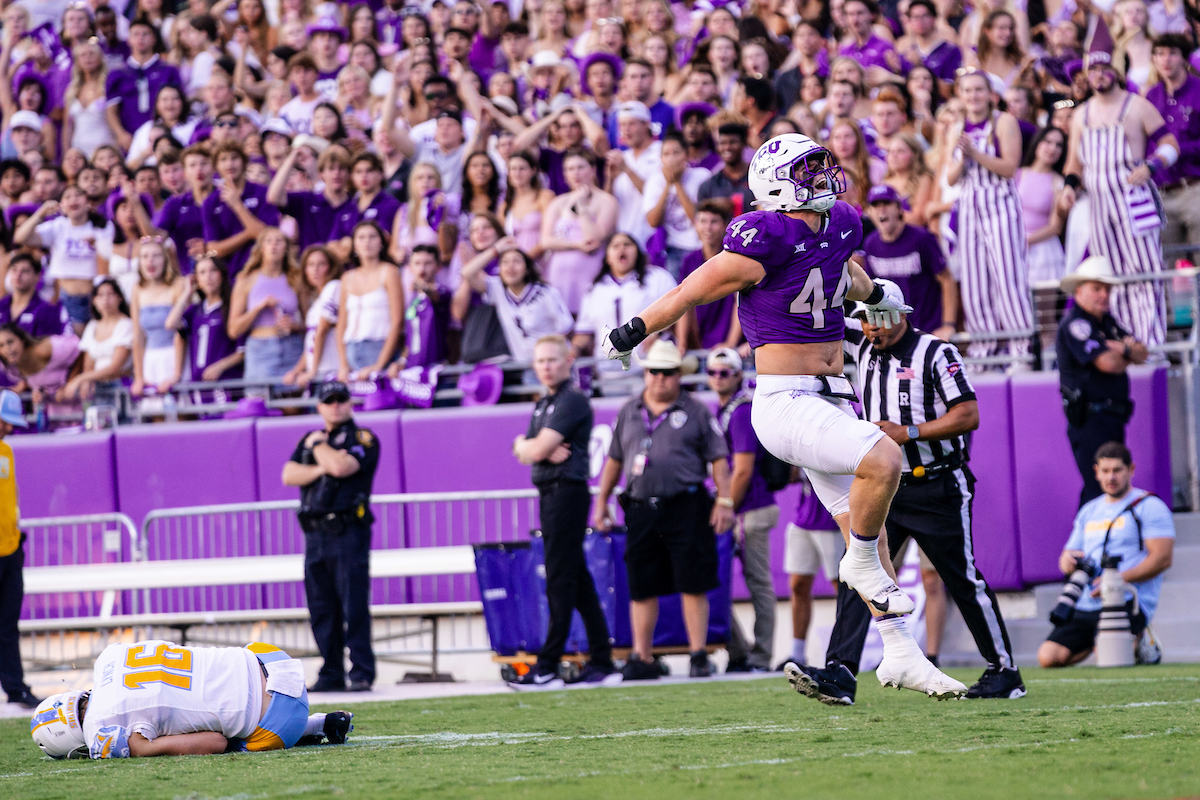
(807, 550)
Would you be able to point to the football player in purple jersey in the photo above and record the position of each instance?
(789, 260)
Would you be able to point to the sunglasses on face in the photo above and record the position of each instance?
(721, 373)
(666, 372)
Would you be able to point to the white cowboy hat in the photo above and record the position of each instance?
(1095, 268)
(662, 355)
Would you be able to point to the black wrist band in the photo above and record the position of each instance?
(875, 296)
(1072, 181)
(629, 335)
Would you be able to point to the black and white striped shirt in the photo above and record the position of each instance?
(916, 380)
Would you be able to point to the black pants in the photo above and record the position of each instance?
(564, 507)
(12, 592)
(338, 585)
(1097, 429)
(937, 515)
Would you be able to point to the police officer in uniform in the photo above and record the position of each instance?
(664, 441)
(913, 386)
(334, 469)
(556, 446)
(1094, 353)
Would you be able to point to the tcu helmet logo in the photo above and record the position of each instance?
(773, 147)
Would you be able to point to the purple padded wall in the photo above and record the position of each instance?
(65, 474)
(997, 550)
(1047, 481)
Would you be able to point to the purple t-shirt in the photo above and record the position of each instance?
(873, 53)
(810, 514)
(208, 341)
(740, 438)
(486, 57)
(913, 263)
(425, 326)
(800, 299)
(944, 61)
(387, 26)
(136, 87)
(713, 319)
(382, 210)
(1181, 113)
(327, 83)
(183, 218)
(39, 317)
(314, 216)
(220, 222)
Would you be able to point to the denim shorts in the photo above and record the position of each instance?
(78, 306)
(364, 353)
(270, 359)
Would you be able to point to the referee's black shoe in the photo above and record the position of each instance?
(833, 686)
(1002, 683)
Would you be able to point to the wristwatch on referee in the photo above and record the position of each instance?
(914, 433)
(725, 502)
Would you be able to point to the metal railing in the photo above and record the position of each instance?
(66, 541)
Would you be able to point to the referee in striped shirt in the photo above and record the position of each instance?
(913, 386)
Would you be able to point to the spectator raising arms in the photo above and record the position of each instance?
(528, 309)
(80, 245)
(315, 212)
(204, 325)
(106, 345)
(669, 200)
(575, 228)
(265, 308)
(370, 321)
(429, 217)
(321, 274)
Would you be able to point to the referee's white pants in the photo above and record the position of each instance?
(821, 434)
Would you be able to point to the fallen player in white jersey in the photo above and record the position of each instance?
(157, 698)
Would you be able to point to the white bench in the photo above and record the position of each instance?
(412, 562)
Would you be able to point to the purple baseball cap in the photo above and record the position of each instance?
(326, 25)
(883, 194)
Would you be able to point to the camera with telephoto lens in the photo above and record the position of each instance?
(1077, 583)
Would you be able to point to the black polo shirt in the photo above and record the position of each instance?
(567, 411)
(1081, 339)
(670, 454)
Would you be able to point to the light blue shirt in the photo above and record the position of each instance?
(1088, 535)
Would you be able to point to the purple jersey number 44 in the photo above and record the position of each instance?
(800, 299)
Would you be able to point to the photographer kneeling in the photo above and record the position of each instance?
(1131, 526)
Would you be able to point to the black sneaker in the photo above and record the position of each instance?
(26, 699)
(1003, 683)
(701, 666)
(326, 685)
(599, 674)
(637, 670)
(738, 665)
(833, 686)
(537, 678)
(338, 726)
(359, 686)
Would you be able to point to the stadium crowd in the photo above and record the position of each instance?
(286, 191)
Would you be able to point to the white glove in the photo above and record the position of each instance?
(887, 311)
(609, 350)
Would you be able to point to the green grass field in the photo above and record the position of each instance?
(1083, 732)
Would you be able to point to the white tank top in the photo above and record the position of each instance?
(368, 317)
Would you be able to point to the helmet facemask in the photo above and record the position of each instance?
(819, 180)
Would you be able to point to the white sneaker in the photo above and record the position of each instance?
(876, 585)
(912, 670)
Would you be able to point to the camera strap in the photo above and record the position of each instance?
(1136, 521)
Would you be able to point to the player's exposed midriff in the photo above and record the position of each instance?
(810, 358)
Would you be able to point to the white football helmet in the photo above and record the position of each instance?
(57, 726)
(793, 173)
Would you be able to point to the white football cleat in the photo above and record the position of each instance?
(875, 585)
(912, 670)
